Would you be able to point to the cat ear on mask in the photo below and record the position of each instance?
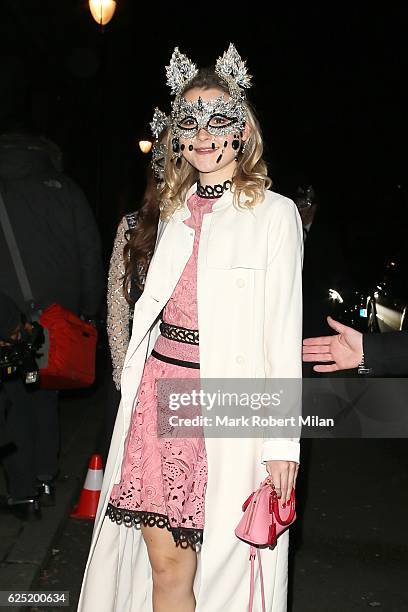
(231, 66)
(179, 72)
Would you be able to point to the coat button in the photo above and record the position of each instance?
(240, 282)
(240, 359)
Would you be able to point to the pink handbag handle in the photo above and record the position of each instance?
(275, 503)
(252, 580)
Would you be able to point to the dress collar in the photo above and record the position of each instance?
(182, 213)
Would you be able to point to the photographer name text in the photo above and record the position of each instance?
(250, 421)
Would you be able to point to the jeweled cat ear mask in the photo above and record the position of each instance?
(158, 124)
(218, 116)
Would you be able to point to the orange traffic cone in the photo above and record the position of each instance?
(89, 498)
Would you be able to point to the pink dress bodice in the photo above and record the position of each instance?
(181, 309)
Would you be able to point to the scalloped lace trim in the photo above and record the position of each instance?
(185, 537)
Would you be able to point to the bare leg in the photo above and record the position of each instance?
(173, 570)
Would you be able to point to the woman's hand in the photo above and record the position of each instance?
(283, 476)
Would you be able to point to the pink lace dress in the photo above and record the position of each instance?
(163, 479)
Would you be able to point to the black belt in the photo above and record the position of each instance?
(178, 362)
(180, 334)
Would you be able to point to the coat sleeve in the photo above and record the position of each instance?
(387, 353)
(283, 318)
(117, 306)
(90, 253)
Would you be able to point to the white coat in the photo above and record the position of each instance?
(250, 322)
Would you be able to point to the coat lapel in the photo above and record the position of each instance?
(172, 253)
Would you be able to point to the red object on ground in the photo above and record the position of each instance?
(89, 498)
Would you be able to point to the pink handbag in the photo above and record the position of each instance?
(264, 520)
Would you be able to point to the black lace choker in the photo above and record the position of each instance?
(212, 191)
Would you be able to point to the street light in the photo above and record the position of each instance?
(145, 145)
(102, 10)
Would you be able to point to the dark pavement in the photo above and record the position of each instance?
(349, 547)
(351, 540)
(26, 546)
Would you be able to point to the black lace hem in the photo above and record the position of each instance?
(185, 537)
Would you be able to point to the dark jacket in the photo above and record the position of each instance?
(387, 353)
(324, 268)
(54, 227)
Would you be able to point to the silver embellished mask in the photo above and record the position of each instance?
(219, 116)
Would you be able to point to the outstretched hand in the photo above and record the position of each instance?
(344, 348)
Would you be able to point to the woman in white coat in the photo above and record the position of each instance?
(228, 262)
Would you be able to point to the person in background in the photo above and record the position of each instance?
(376, 354)
(10, 319)
(59, 244)
(307, 205)
(132, 250)
(320, 272)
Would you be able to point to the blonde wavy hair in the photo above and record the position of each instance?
(250, 177)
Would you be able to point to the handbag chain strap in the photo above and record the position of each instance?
(255, 552)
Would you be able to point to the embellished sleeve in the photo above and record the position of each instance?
(118, 307)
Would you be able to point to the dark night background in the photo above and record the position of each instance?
(329, 88)
(330, 92)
